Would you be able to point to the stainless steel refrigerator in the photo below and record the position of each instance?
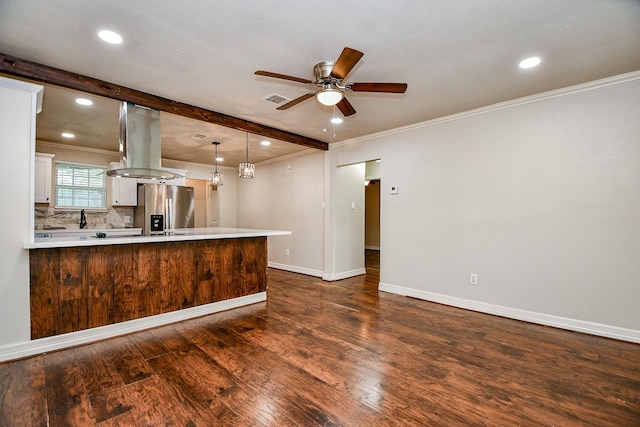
(163, 208)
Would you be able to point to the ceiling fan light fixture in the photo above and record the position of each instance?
(329, 96)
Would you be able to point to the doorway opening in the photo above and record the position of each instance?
(372, 217)
(207, 204)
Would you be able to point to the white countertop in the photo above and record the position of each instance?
(121, 237)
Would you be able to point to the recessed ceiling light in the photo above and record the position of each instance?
(68, 135)
(265, 143)
(336, 120)
(219, 159)
(84, 101)
(110, 36)
(530, 62)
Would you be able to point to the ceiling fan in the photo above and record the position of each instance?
(329, 76)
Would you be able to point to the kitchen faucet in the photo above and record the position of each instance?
(83, 219)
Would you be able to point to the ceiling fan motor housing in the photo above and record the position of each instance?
(322, 71)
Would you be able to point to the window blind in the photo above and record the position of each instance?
(80, 186)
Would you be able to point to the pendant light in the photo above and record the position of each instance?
(245, 169)
(216, 177)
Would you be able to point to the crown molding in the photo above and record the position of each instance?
(42, 143)
(165, 162)
(287, 157)
(556, 93)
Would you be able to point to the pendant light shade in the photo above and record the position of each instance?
(246, 169)
(216, 179)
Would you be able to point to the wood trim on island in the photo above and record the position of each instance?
(78, 288)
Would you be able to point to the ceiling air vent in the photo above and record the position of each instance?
(198, 136)
(276, 98)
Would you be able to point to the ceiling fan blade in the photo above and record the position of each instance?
(296, 101)
(347, 60)
(377, 87)
(345, 107)
(282, 76)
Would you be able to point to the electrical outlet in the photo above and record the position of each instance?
(473, 279)
(286, 252)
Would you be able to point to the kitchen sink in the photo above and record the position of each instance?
(117, 236)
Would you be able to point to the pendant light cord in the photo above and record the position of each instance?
(247, 145)
(216, 157)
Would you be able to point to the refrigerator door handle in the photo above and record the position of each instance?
(169, 214)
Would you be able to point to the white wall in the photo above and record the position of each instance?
(540, 198)
(18, 103)
(288, 195)
(372, 170)
(228, 199)
(347, 218)
(70, 153)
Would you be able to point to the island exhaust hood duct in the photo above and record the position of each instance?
(140, 146)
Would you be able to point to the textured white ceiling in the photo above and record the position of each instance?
(454, 55)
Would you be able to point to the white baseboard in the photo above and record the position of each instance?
(296, 269)
(598, 329)
(318, 273)
(344, 275)
(43, 345)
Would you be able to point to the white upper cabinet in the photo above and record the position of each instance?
(42, 177)
(124, 191)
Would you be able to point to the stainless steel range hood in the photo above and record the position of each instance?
(140, 145)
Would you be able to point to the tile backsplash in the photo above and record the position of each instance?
(115, 217)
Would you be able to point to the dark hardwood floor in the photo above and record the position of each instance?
(331, 353)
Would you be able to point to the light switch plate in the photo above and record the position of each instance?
(393, 189)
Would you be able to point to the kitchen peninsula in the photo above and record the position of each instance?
(83, 281)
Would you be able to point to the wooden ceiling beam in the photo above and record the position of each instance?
(45, 74)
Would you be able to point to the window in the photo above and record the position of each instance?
(81, 186)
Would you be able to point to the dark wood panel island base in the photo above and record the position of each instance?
(76, 288)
